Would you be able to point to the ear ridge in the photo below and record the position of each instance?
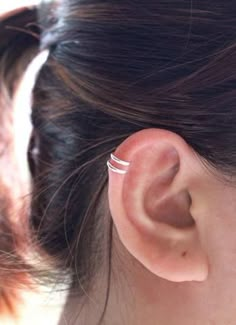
(155, 177)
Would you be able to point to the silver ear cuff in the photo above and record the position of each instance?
(118, 161)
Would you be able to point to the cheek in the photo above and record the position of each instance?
(219, 222)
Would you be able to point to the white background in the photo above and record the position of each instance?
(9, 5)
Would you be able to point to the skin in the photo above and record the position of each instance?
(174, 244)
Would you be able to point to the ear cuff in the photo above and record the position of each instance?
(118, 161)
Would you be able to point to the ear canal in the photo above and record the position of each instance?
(181, 218)
(168, 207)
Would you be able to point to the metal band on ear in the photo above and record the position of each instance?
(118, 161)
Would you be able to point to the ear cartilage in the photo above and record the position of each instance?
(118, 161)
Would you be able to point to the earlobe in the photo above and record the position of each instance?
(150, 205)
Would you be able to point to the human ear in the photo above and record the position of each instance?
(150, 203)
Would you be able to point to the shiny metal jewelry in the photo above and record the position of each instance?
(118, 161)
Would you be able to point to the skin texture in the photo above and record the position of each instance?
(190, 273)
(182, 261)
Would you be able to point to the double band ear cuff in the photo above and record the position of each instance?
(118, 161)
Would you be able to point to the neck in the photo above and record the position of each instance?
(136, 296)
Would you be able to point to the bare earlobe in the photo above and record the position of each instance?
(150, 205)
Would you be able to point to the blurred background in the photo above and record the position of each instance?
(43, 305)
(11, 5)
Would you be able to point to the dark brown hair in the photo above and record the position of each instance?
(116, 67)
(18, 46)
